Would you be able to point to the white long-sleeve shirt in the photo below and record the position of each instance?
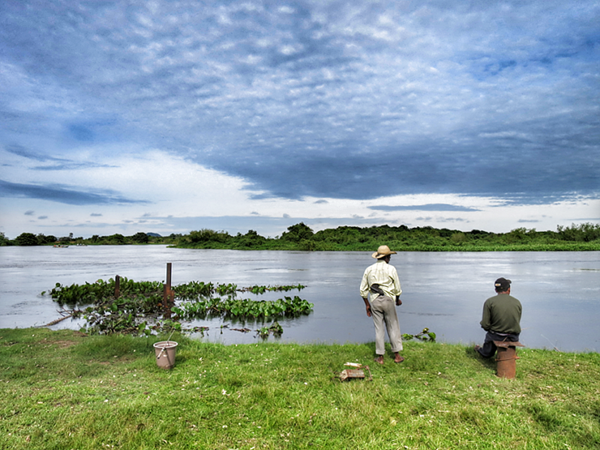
(385, 275)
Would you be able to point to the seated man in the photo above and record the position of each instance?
(501, 318)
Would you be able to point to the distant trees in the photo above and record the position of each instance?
(301, 235)
(206, 235)
(585, 232)
(42, 239)
(458, 238)
(251, 239)
(350, 238)
(117, 239)
(29, 239)
(26, 239)
(297, 233)
(140, 238)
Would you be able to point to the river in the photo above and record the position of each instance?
(560, 291)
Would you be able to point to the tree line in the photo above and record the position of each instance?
(31, 239)
(301, 237)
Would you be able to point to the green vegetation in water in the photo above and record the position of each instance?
(582, 237)
(139, 307)
(102, 292)
(64, 390)
(274, 329)
(424, 336)
(243, 308)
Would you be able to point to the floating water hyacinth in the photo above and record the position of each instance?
(126, 307)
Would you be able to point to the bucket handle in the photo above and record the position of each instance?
(163, 349)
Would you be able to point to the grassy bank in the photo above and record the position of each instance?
(65, 390)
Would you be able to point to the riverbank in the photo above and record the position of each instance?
(401, 247)
(64, 389)
(300, 237)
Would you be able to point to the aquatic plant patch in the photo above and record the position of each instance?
(244, 308)
(263, 289)
(424, 335)
(127, 306)
(92, 293)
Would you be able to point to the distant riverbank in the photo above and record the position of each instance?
(585, 237)
(400, 246)
(300, 237)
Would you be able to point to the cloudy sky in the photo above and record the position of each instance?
(172, 116)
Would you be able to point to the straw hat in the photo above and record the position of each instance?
(382, 252)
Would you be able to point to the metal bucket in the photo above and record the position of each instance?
(506, 364)
(165, 354)
(506, 358)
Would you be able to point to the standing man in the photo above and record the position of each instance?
(381, 282)
(501, 318)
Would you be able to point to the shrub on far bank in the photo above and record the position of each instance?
(301, 237)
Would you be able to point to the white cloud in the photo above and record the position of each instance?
(187, 105)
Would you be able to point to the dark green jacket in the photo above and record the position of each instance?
(502, 314)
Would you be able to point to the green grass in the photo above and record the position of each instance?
(65, 390)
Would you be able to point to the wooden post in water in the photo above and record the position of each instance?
(168, 294)
(169, 275)
(117, 286)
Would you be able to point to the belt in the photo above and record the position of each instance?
(503, 334)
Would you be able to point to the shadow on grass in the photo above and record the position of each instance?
(488, 363)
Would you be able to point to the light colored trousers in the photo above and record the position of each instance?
(383, 311)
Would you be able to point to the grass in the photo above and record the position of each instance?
(65, 390)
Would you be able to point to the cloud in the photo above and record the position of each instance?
(19, 150)
(73, 166)
(430, 207)
(58, 163)
(63, 194)
(308, 104)
(81, 132)
(337, 88)
(451, 219)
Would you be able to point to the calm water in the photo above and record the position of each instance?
(560, 292)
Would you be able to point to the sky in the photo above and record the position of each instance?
(174, 116)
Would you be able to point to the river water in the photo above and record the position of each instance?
(560, 291)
